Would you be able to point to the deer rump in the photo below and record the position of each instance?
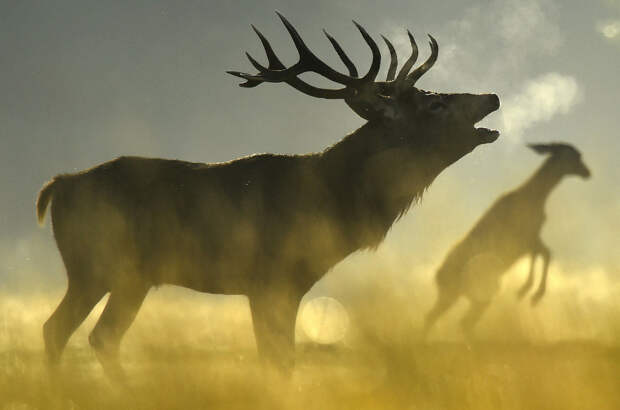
(213, 228)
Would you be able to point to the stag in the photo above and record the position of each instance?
(509, 230)
(265, 226)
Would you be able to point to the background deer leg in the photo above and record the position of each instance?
(273, 318)
(445, 299)
(477, 308)
(530, 277)
(546, 255)
(119, 313)
(75, 306)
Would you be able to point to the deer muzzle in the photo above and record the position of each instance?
(483, 106)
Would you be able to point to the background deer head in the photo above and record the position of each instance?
(566, 157)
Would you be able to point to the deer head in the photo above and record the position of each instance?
(431, 121)
(566, 158)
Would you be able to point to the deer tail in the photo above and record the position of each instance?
(44, 198)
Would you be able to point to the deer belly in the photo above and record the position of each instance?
(202, 264)
(480, 276)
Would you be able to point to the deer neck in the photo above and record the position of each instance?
(543, 181)
(378, 185)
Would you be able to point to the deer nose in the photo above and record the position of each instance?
(585, 172)
(493, 101)
(482, 105)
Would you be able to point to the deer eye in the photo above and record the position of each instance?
(436, 106)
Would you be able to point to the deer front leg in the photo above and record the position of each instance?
(530, 277)
(546, 255)
(273, 318)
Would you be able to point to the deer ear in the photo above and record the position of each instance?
(388, 107)
(541, 148)
(374, 107)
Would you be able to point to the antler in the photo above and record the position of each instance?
(362, 94)
(345, 59)
(309, 62)
(393, 60)
(402, 74)
(419, 72)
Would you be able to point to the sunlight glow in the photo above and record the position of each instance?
(324, 320)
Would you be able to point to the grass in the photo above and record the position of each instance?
(188, 351)
(485, 375)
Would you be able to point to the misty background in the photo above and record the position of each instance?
(82, 82)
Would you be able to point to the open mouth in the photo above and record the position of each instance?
(486, 135)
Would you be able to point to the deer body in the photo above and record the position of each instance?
(509, 230)
(266, 226)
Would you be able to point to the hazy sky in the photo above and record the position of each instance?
(82, 82)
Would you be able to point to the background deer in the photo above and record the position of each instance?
(509, 230)
(266, 226)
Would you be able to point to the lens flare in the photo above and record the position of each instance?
(324, 320)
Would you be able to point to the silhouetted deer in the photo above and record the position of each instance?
(509, 230)
(266, 226)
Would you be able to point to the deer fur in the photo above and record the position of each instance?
(266, 226)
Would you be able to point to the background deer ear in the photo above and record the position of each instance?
(542, 148)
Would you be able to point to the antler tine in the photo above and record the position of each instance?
(376, 55)
(255, 63)
(274, 61)
(252, 81)
(310, 62)
(300, 85)
(402, 74)
(276, 64)
(419, 72)
(394, 60)
(277, 72)
(343, 56)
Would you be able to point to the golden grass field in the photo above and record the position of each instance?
(175, 361)
(565, 376)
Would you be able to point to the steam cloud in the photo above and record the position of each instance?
(517, 31)
(540, 100)
(609, 29)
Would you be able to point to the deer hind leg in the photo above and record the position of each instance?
(482, 275)
(546, 255)
(273, 319)
(530, 277)
(77, 303)
(445, 300)
(118, 314)
(473, 315)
